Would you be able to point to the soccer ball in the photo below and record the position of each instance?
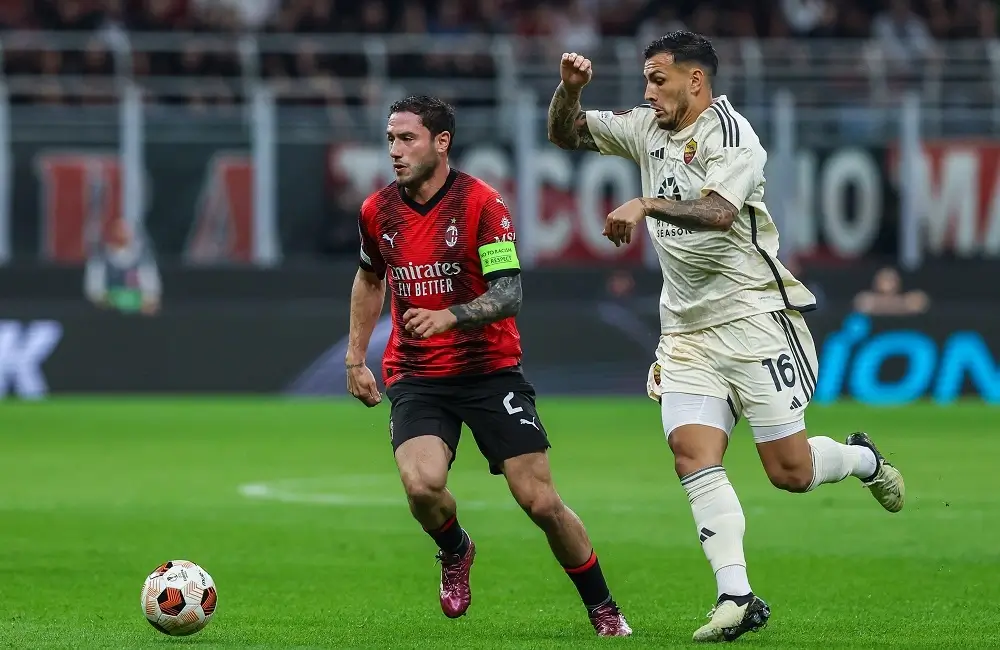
(179, 598)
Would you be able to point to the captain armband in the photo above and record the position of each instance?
(499, 258)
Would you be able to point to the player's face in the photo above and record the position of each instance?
(415, 153)
(667, 89)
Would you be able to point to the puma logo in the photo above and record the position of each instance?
(530, 422)
(391, 240)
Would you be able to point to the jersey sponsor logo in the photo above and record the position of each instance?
(658, 154)
(670, 230)
(420, 280)
(690, 149)
(391, 240)
(668, 189)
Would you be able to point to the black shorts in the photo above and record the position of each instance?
(499, 409)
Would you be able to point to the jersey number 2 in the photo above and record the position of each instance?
(508, 405)
(782, 371)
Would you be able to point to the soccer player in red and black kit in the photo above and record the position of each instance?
(445, 242)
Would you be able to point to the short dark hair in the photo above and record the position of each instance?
(687, 47)
(434, 113)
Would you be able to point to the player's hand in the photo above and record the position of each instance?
(575, 71)
(361, 384)
(425, 323)
(619, 225)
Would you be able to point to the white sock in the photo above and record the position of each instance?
(833, 462)
(718, 518)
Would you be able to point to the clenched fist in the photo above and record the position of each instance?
(575, 71)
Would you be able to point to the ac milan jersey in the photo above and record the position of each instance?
(437, 255)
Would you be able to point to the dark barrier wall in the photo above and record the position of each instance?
(285, 331)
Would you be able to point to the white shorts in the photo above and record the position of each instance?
(763, 367)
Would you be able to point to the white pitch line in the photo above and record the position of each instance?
(298, 491)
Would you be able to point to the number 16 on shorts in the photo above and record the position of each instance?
(787, 373)
(782, 371)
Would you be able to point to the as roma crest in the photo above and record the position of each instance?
(690, 149)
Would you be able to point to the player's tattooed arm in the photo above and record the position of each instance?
(501, 300)
(568, 123)
(711, 212)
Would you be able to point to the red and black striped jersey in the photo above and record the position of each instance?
(437, 255)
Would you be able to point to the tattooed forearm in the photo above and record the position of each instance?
(711, 212)
(567, 122)
(501, 300)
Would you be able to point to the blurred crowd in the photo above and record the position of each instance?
(907, 29)
(562, 19)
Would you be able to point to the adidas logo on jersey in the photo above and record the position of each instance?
(796, 404)
(659, 154)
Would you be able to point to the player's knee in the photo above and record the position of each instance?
(422, 487)
(688, 460)
(543, 505)
(788, 463)
(791, 479)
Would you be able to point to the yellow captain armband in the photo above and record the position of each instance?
(499, 257)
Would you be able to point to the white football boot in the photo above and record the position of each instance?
(730, 620)
(886, 484)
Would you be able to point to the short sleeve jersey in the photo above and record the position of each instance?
(709, 278)
(434, 256)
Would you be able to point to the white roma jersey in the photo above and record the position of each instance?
(709, 277)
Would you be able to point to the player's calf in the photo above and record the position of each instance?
(423, 471)
(697, 429)
(531, 485)
(796, 463)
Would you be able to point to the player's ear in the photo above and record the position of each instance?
(697, 81)
(443, 142)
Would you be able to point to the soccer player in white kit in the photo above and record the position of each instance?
(733, 339)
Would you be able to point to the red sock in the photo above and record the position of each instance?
(589, 581)
(450, 537)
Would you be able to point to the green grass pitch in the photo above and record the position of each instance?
(296, 511)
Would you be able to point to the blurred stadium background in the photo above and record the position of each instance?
(179, 186)
(199, 164)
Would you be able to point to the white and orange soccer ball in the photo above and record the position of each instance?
(179, 598)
